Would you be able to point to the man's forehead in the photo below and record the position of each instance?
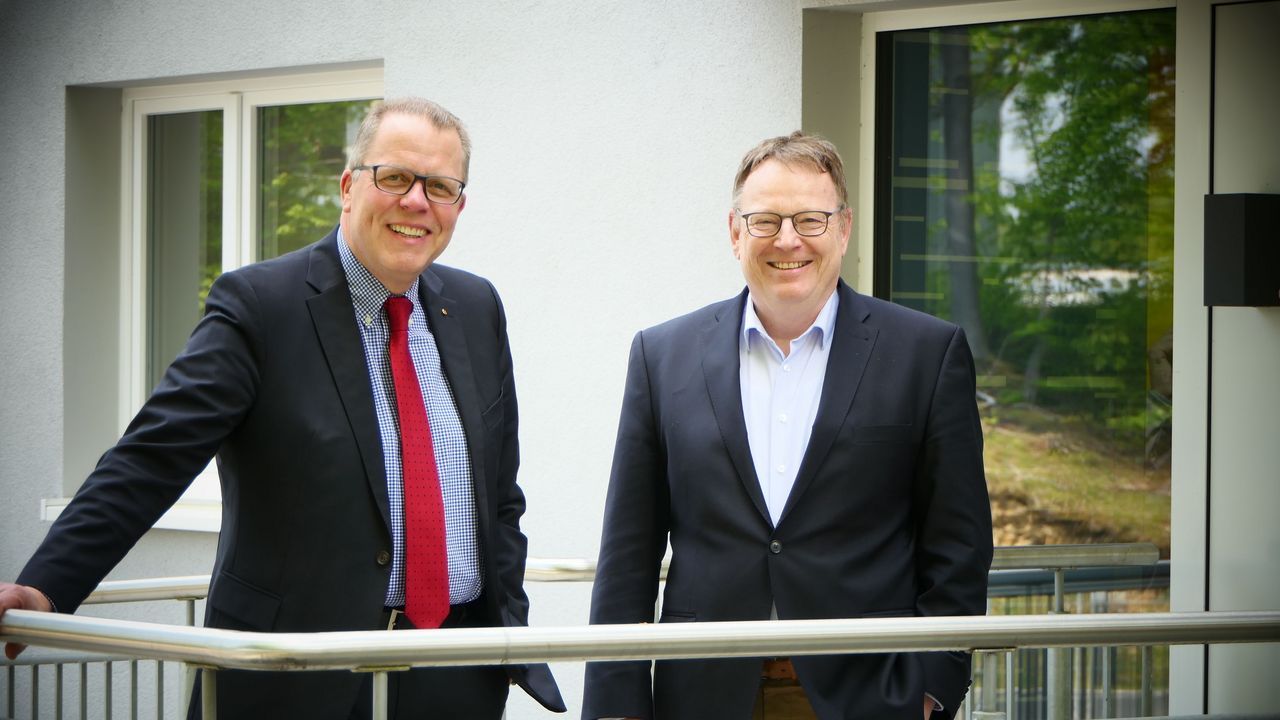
(774, 176)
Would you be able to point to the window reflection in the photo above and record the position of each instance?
(302, 151)
(1027, 187)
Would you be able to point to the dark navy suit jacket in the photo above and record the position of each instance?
(274, 381)
(889, 514)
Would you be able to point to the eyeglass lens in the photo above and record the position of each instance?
(398, 181)
(805, 223)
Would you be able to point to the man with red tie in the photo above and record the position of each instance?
(360, 402)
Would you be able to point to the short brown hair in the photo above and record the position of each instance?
(809, 151)
(434, 113)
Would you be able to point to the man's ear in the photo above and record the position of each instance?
(846, 228)
(344, 189)
(734, 231)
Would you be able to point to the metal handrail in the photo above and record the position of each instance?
(374, 650)
(1019, 557)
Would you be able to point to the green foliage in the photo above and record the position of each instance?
(1083, 285)
(302, 151)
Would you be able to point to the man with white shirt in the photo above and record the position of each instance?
(808, 452)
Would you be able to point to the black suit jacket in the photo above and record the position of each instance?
(889, 514)
(274, 381)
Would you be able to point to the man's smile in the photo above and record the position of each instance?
(789, 265)
(408, 230)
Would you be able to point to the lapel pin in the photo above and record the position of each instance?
(444, 311)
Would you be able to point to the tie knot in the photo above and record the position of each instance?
(398, 310)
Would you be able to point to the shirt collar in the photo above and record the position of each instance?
(821, 327)
(367, 292)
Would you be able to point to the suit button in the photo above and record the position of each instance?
(775, 547)
(384, 558)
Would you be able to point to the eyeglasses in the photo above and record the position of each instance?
(440, 189)
(808, 223)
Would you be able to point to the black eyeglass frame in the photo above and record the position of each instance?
(746, 218)
(373, 176)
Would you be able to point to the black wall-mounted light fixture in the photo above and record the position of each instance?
(1242, 250)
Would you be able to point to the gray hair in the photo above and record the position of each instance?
(434, 113)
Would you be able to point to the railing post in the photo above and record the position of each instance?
(208, 694)
(1059, 660)
(57, 691)
(1146, 680)
(189, 673)
(35, 692)
(107, 680)
(1008, 685)
(159, 689)
(133, 690)
(989, 682)
(84, 690)
(10, 686)
(1108, 691)
(380, 695)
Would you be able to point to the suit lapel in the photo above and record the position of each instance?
(333, 317)
(445, 319)
(851, 348)
(721, 367)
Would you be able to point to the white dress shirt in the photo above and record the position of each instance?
(780, 395)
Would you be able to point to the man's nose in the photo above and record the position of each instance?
(416, 198)
(787, 236)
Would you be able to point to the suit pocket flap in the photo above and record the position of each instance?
(239, 605)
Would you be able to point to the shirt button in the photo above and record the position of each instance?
(786, 368)
(782, 468)
(782, 418)
(383, 559)
(775, 547)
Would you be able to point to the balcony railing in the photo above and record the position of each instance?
(378, 652)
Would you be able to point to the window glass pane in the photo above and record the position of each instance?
(184, 229)
(1031, 201)
(302, 151)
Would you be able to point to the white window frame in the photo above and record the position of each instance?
(200, 508)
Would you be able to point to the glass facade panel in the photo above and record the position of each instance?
(184, 228)
(1025, 192)
(302, 151)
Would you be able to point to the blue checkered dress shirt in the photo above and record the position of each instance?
(447, 437)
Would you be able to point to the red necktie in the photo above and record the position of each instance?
(426, 558)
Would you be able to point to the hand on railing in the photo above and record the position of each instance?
(20, 597)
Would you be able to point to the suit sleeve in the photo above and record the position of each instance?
(511, 546)
(954, 545)
(200, 400)
(512, 550)
(633, 542)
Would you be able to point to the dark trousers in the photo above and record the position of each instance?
(443, 693)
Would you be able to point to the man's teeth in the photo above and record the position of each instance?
(788, 265)
(406, 230)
